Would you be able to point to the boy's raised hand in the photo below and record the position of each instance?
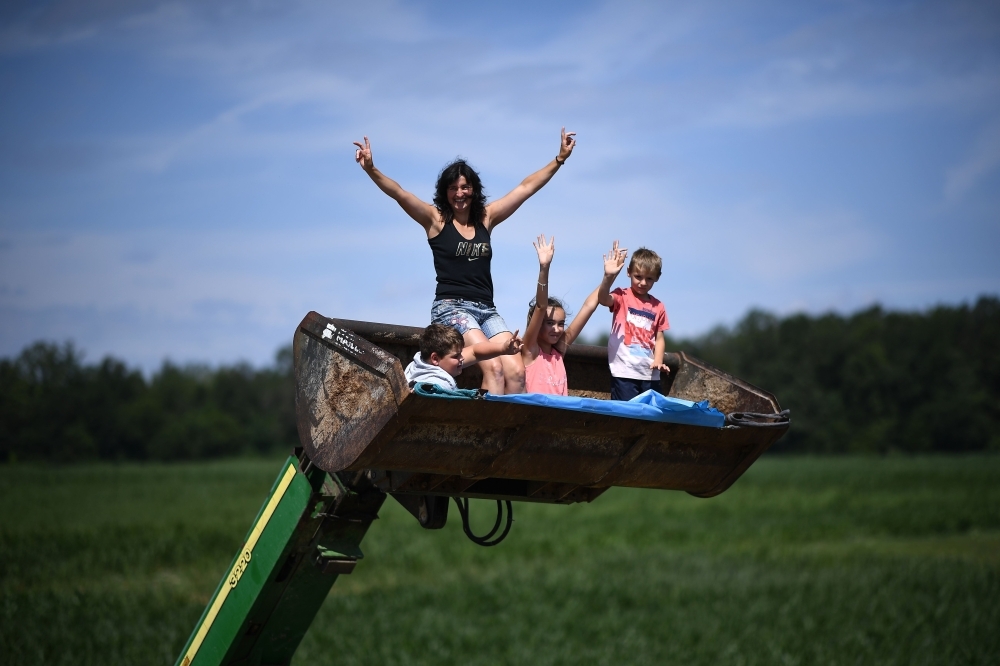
(545, 250)
(363, 155)
(614, 260)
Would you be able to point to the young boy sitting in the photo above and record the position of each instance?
(442, 355)
(636, 344)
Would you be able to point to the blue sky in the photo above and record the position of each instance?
(177, 179)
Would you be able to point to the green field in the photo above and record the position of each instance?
(804, 561)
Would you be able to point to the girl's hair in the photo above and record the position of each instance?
(439, 339)
(553, 303)
(448, 175)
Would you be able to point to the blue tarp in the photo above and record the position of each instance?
(648, 406)
(436, 391)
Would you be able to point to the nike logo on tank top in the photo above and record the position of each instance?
(462, 265)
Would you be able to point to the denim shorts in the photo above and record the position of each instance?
(465, 316)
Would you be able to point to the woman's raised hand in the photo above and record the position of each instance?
(363, 155)
(545, 250)
(614, 260)
(567, 141)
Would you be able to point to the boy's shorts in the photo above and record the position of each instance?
(623, 388)
(465, 316)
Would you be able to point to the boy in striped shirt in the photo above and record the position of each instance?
(636, 343)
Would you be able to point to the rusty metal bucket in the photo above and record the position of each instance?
(356, 415)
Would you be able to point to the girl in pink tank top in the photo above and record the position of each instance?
(547, 336)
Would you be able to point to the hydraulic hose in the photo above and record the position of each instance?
(487, 539)
(759, 420)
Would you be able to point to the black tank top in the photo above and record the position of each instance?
(463, 266)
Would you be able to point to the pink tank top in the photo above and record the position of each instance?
(547, 374)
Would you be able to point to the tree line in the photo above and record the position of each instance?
(54, 407)
(874, 381)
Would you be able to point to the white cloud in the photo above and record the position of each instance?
(618, 66)
(262, 89)
(983, 159)
(185, 294)
(779, 249)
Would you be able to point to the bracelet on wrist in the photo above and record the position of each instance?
(560, 163)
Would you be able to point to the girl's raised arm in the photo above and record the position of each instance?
(545, 250)
(504, 207)
(424, 213)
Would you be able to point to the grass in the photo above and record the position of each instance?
(803, 561)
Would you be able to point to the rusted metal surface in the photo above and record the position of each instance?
(346, 391)
(356, 414)
(697, 380)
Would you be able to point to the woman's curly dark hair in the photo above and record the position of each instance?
(448, 175)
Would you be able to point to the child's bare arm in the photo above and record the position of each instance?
(483, 351)
(613, 263)
(658, 350)
(425, 214)
(545, 250)
(575, 328)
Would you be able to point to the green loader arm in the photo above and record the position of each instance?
(307, 533)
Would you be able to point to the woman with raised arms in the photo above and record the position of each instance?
(458, 225)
